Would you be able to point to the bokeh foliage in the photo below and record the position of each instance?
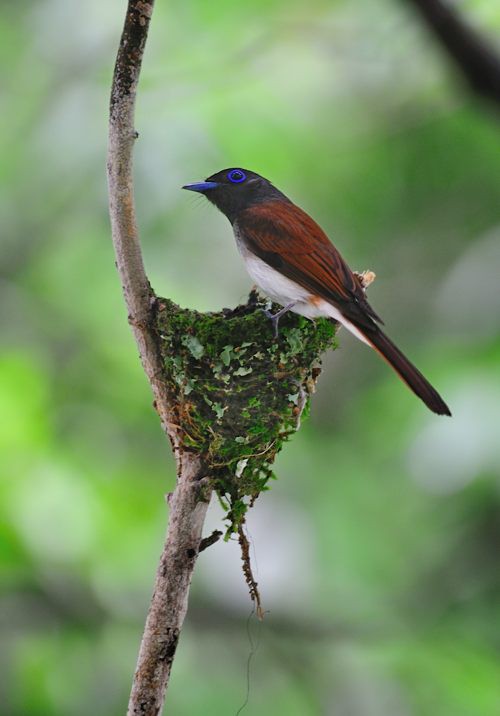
(377, 548)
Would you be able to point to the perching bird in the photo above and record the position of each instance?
(294, 263)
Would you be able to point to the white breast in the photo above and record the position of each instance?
(279, 288)
(283, 290)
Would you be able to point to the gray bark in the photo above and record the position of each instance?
(188, 504)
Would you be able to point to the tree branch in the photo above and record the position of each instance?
(476, 59)
(188, 508)
(227, 394)
(187, 505)
(137, 292)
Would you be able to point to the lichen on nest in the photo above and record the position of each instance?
(237, 392)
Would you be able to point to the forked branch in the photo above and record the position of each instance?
(187, 505)
(228, 395)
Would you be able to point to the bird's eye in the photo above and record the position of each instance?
(236, 176)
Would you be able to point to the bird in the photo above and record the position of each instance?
(295, 264)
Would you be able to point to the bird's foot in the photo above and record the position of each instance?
(275, 317)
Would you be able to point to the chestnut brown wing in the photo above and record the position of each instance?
(287, 239)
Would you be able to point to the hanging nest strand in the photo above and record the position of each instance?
(237, 392)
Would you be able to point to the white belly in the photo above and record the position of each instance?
(283, 290)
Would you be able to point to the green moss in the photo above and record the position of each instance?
(237, 392)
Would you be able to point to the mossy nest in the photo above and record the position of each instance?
(237, 392)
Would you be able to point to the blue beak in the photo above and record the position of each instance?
(201, 186)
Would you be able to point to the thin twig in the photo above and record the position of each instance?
(189, 503)
(207, 542)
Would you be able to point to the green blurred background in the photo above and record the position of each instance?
(377, 549)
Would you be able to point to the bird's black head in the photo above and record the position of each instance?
(233, 190)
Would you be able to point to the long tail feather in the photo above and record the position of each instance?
(407, 372)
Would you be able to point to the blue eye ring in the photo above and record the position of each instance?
(236, 176)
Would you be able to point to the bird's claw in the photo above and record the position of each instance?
(274, 318)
